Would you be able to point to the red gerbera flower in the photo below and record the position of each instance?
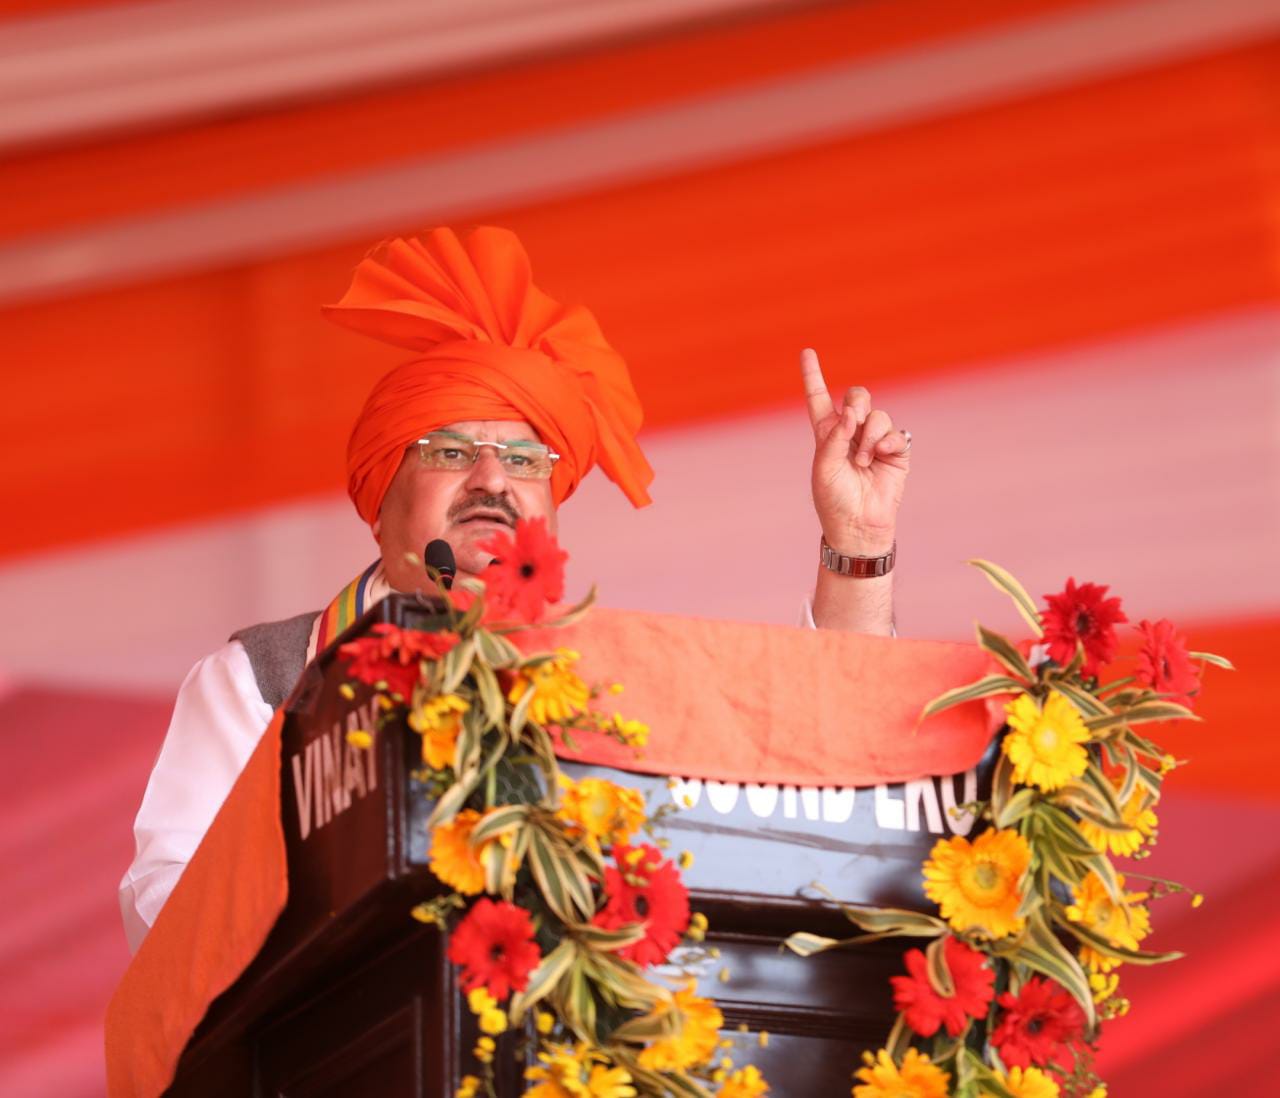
(391, 654)
(1164, 664)
(494, 946)
(1040, 1026)
(527, 575)
(925, 1009)
(645, 888)
(1082, 614)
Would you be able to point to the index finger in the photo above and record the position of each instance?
(815, 387)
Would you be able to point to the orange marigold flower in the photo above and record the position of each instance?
(453, 859)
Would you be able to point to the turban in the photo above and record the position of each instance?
(493, 346)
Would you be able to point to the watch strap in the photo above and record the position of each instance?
(858, 567)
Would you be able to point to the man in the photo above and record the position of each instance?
(512, 401)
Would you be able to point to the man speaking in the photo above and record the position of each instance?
(509, 402)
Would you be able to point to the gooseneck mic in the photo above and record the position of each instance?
(439, 555)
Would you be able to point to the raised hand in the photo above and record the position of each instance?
(860, 465)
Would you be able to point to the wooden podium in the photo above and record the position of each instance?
(351, 997)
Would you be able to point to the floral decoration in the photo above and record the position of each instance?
(557, 911)
(1034, 920)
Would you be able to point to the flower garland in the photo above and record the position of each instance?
(556, 913)
(1033, 918)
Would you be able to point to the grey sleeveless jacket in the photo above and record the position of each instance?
(277, 653)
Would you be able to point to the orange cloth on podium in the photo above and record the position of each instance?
(726, 701)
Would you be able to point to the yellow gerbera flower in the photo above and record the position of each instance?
(1137, 815)
(746, 1083)
(577, 1072)
(453, 859)
(607, 813)
(916, 1078)
(1045, 745)
(438, 721)
(558, 693)
(1029, 1082)
(977, 884)
(695, 1041)
(1123, 924)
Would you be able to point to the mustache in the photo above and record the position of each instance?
(465, 508)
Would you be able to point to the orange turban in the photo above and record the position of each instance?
(493, 346)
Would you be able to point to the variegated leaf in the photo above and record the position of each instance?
(1109, 949)
(1004, 581)
(936, 967)
(983, 688)
(1004, 651)
(1217, 661)
(543, 980)
(1042, 951)
(498, 821)
(458, 664)
(1085, 702)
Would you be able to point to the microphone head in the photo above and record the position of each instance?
(439, 555)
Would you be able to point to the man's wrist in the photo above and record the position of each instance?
(861, 543)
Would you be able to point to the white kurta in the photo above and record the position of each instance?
(218, 719)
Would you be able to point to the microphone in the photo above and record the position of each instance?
(439, 555)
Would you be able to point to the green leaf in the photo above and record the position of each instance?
(490, 694)
(989, 1081)
(578, 1005)
(894, 922)
(1001, 785)
(559, 874)
(983, 688)
(498, 821)
(1003, 581)
(1150, 780)
(1016, 807)
(520, 714)
(543, 979)
(1092, 795)
(1217, 661)
(1005, 652)
(1061, 830)
(451, 802)
(1085, 702)
(806, 944)
(496, 651)
(1158, 711)
(1142, 746)
(457, 663)
(678, 1083)
(1104, 946)
(936, 967)
(648, 1027)
(622, 981)
(1122, 753)
(608, 941)
(1041, 950)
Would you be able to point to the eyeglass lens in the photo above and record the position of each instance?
(454, 453)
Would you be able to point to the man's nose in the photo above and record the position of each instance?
(487, 474)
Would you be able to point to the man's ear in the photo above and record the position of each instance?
(377, 529)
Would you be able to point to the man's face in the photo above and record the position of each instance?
(464, 508)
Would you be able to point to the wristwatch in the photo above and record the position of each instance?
(858, 567)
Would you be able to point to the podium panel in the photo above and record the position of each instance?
(351, 996)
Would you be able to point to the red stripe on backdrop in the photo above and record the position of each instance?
(1066, 217)
(43, 190)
